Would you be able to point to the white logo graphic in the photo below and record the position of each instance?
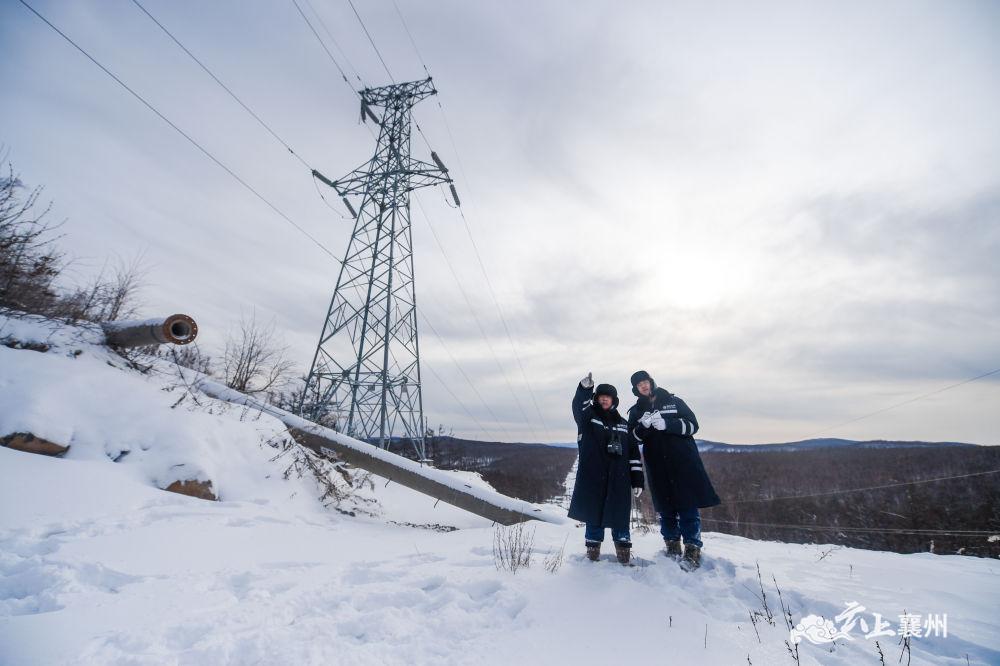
(818, 630)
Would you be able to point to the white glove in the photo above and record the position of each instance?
(588, 381)
(637, 492)
(646, 419)
(658, 422)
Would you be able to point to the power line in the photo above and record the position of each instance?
(410, 35)
(336, 44)
(245, 106)
(905, 402)
(336, 64)
(456, 399)
(472, 311)
(503, 319)
(861, 490)
(223, 85)
(863, 530)
(465, 222)
(212, 157)
(370, 40)
(179, 130)
(462, 372)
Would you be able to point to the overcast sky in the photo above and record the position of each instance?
(788, 213)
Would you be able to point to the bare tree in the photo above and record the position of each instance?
(29, 263)
(254, 360)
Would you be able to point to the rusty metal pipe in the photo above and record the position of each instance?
(177, 329)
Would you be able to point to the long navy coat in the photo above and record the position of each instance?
(677, 477)
(604, 481)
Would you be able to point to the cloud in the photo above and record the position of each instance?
(782, 212)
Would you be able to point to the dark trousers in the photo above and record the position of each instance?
(676, 524)
(596, 533)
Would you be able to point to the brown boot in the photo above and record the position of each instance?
(623, 550)
(673, 548)
(593, 550)
(692, 557)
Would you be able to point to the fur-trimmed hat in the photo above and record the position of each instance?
(639, 376)
(609, 390)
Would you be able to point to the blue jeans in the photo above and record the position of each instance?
(596, 533)
(676, 524)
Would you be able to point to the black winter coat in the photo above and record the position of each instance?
(677, 477)
(604, 481)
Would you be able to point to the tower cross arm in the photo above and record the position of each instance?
(412, 92)
(417, 174)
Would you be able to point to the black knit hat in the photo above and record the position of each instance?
(607, 389)
(639, 376)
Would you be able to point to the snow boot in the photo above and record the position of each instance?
(593, 550)
(692, 557)
(673, 548)
(623, 550)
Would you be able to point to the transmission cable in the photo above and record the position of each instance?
(475, 317)
(457, 400)
(204, 150)
(410, 35)
(462, 372)
(860, 490)
(336, 64)
(905, 402)
(336, 44)
(465, 222)
(223, 85)
(863, 530)
(370, 40)
(184, 134)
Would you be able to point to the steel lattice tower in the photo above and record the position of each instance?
(365, 374)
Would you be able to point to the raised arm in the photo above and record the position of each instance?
(583, 398)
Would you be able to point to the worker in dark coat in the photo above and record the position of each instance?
(665, 426)
(608, 470)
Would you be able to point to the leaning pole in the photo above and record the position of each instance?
(395, 468)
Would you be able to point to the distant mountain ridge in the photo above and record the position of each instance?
(706, 446)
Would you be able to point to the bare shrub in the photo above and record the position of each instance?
(254, 360)
(554, 559)
(338, 487)
(513, 547)
(188, 356)
(108, 297)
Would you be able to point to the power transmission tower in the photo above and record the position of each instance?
(365, 375)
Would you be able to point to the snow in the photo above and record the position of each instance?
(100, 566)
(448, 479)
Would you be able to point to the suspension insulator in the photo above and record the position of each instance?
(454, 194)
(437, 160)
(366, 111)
(349, 207)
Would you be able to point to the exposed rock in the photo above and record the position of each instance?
(22, 344)
(25, 441)
(193, 488)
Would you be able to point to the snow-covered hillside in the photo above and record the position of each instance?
(100, 566)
